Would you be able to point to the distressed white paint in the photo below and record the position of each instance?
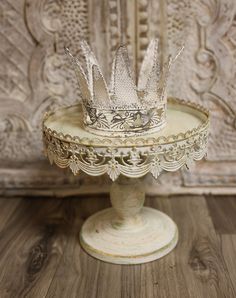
(128, 233)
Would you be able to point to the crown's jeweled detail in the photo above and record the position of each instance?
(123, 109)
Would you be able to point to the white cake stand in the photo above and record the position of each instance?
(127, 233)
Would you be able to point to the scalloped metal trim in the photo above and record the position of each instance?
(132, 159)
(132, 162)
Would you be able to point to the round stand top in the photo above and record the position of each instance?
(183, 139)
(184, 119)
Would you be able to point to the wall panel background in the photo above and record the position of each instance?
(35, 77)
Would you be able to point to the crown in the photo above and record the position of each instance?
(122, 108)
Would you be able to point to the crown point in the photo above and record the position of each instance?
(100, 90)
(150, 73)
(88, 54)
(150, 61)
(122, 84)
(80, 75)
(67, 51)
(83, 82)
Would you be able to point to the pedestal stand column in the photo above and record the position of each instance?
(127, 198)
(128, 233)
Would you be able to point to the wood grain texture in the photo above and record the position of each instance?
(223, 213)
(78, 272)
(40, 255)
(229, 253)
(7, 207)
(197, 264)
(31, 241)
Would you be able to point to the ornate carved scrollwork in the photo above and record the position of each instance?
(33, 72)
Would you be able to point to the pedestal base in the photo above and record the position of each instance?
(148, 239)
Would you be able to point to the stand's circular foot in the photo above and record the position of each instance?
(143, 242)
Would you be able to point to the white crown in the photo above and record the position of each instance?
(123, 109)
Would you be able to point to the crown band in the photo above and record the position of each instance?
(124, 122)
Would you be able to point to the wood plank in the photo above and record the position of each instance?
(131, 283)
(162, 278)
(30, 248)
(229, 253)
(7, 207)
(40, 254)
(196, 267)
(111, 274)
(222, 211)
(78, 274)
(155, 279)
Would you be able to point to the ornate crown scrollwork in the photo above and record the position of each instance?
(123, 109)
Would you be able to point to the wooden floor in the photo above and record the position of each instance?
(40, 255)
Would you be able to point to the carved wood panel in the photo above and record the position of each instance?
(35, 76)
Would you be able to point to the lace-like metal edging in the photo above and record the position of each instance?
(132, 158)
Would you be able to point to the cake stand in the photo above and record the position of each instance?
(127, 233)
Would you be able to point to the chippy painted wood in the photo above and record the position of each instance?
(58, 267)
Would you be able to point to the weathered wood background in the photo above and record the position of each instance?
(35, 77)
